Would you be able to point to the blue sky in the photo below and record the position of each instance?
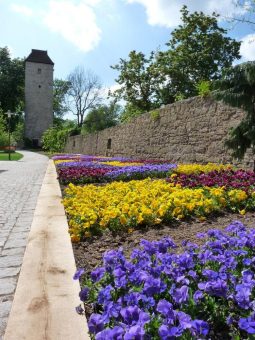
(97, 33)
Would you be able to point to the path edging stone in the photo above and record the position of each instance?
(46, 296)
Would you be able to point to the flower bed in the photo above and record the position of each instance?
(206, 292)
(120, 205)
(196, 292)
(82, 169)
(201, 168)
(78, 169)
(230, 179)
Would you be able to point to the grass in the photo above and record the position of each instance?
(15, 156)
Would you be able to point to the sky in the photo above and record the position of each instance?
(97, 33)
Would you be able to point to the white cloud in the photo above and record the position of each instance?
(75, 23)
(73, 20)
(114, 87)
(11, 50)
(167, 12)
(104, 92)
(22, 9)
(91, 2)
(247, 49)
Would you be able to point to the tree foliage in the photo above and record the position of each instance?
(129, 112)
(84, 93)
(237, 88)
(4, 135)
(245, 13)
(102, 117)
(54, 139)
(139, 80)
(12, 81)
(198, 51)
(60, 89)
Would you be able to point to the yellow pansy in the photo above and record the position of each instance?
(198, 168)
(142, 202)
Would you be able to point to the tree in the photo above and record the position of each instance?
(129, 112)
(4, 140)
(246, 12)
(84, 93)
(237, 88)
(102, 117)
(12, 81)
(198, 51)
(60, 89)
(54, 139)
(139, 81)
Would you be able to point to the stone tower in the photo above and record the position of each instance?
(38, 95)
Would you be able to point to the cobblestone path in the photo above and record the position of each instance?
(20, 183)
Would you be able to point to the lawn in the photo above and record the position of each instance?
(15, 156)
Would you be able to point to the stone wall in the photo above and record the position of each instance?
(192, 130)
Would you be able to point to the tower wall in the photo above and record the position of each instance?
(38, 100)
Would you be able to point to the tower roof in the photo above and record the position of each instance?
(39, 56)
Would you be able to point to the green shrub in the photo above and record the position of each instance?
(4, 138)
(179, 96)
(204, 88)
(18, 133)
(54, 139)
(4, 135)
(155, 115)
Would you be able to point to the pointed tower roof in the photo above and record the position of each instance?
(39, 56)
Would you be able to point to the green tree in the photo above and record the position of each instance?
(102, 117)
(198, 51)
(60, 89)
(54, 139)
(18, 133)
(237, 88)
(246, 11)
(129, 112)
(140, 81)
(4, 140)
(12, 81)
(84, 93)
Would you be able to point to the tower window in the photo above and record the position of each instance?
(39, 70)
(109, 143)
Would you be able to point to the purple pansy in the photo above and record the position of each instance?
(161, 291)
(180, 295)
(97, 274)
(247, 324)
(78, 273)
(96, 323)
(84, 293)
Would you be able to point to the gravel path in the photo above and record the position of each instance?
(20, 183)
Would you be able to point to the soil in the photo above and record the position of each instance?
(88, 254)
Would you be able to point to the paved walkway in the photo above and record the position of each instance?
(20, 183)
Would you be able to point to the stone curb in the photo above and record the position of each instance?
(46, 295)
